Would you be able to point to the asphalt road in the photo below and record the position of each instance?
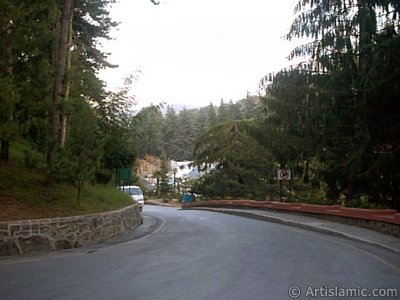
(204, 255)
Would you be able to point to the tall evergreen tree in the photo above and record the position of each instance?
(248, 106)
(186, 124)
(212, 115)
(8, 91)
(223, 114)
(339, 104)
(60, 65)
(234, 111)
(169, 131)
(115, 121)
(147, 128)
(25, 59)
(235, 163)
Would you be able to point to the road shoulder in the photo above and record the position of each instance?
(355, 233)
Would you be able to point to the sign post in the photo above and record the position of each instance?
(284, 175)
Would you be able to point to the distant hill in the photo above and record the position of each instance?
(178, 107)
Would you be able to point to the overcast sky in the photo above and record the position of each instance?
(197, 51)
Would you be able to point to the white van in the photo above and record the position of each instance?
(135, 192)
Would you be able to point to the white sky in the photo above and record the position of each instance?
(197, 51)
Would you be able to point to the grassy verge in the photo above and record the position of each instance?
(23, 186)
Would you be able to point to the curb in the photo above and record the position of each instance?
(332, 232)
(157, 203)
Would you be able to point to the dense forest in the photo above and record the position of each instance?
(162, 131)
(333, 120)
(51, 97)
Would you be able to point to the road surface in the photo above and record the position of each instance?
(207, 255)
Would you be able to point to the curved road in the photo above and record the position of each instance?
(206, 255)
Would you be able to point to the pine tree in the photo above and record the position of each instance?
(235, 163)
(60, 65)
(147, 130)
(170, 131)
(335, 94)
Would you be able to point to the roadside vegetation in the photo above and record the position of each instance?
(333, 120)
(24, 190)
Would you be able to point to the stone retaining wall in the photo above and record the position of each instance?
(26, 236)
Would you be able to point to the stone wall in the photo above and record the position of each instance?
(26, 236)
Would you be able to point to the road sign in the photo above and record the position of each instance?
(284, 174)
(123, 176)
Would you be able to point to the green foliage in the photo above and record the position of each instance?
(165, 186)
(147, 130)
(339, 109)
(362, 201)
(236, 165)
(9, 97)
(170, 134)
(29, 186)
(115, 127)
(9, 89)
(77, 162)
(97, 123)
(103, 176)
(333, 120)
(175, 133)
(33, 160)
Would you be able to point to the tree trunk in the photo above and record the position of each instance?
(5, 150)
(64, 116)
(5, 140)
(79, 186)
(60, 66)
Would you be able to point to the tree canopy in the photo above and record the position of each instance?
(334, 119)
(343, 102)
(50, 93)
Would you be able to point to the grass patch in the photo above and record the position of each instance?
(99, 198)
(24, 180)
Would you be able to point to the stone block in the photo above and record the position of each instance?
(8, 248)
(14, 229)
(34, 244)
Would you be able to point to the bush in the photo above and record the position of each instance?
(359, 202)
(103, 176)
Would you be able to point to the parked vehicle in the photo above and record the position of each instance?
(136, 194)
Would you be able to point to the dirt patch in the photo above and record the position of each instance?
(11, 209)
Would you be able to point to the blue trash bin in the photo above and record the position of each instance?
(187, 198)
